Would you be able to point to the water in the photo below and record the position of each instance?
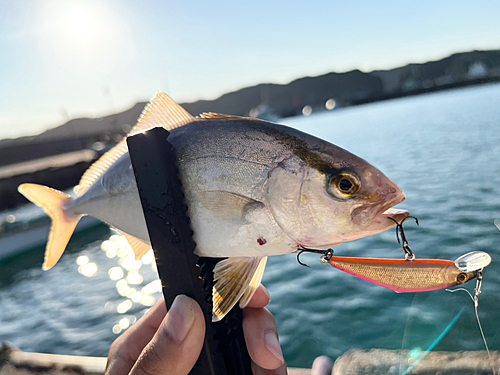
(442, 149)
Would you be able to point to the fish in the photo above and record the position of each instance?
(404, 276)
(253, 189)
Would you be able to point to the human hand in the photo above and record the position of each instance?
(161, 343)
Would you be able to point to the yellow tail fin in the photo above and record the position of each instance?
(52, 201)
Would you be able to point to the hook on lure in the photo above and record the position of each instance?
(409, 255)
(327, 255)
(400, 235)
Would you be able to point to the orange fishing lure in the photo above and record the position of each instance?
(403, 276)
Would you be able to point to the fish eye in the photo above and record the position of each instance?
(462, 278)
(344, 185)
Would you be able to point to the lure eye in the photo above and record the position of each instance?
(462, 278)
(344, 185)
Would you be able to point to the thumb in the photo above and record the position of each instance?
(176, 346)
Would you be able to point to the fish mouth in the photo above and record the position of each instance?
(395, 214)
(387, 214)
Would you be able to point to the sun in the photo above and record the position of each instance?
(79, 22)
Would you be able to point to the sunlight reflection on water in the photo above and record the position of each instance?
(125, 273)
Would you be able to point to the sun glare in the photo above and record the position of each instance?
(84, 36)
(79, 22)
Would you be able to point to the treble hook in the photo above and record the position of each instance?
(327, 255)
(400, 232)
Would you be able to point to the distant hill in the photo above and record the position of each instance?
(288, 100)
(356, 87)
(349, 88)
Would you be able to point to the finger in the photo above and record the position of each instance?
(127, 348)
(322, 366)
(177, 344)
(260, 299)
(261, 335)
(260, 371)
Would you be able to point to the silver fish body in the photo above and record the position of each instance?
(245, 181)
(253, 189)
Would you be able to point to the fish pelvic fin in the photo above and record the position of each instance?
(254, 284)
(236, 279)
(52, 201)
(162, 111)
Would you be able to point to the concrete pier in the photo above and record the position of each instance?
(354, 362)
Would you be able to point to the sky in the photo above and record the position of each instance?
(61, 59)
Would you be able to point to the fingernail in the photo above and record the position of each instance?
(322, 365)
(267, 293)
(180, 318)
(273, 344)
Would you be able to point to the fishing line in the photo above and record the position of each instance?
(433, 345)
(478, 322)
(410, 313)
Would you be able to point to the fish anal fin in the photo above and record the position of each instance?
(233, 277)
(162, 111)
(139, 246)
(254, 284)
(227, 206)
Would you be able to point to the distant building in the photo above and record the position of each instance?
(477, 70)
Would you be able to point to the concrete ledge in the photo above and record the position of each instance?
(378, 362)
(354, 362)
(16, 362)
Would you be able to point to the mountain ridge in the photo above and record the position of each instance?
(346, 88)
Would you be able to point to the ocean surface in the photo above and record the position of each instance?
(442, 149)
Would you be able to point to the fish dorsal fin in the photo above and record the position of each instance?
(140, 247)
(227, 206)
(233, 277)
(162, 111)
(217, 116)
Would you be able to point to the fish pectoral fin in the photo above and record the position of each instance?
(227, 206)
(162, 111)
(235, 279)
(139, 246)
